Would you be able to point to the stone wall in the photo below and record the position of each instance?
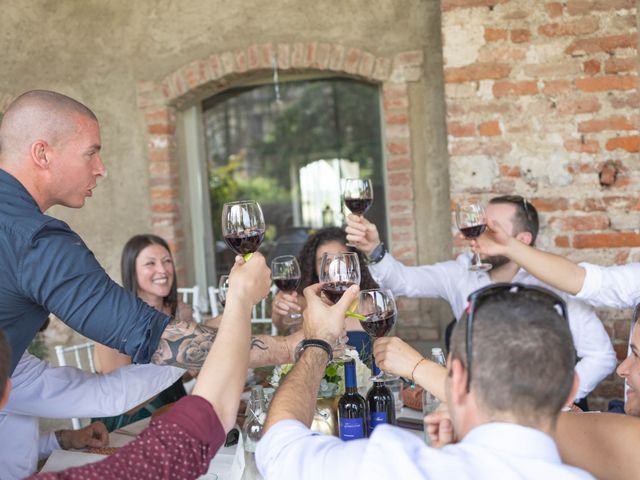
(542, 100)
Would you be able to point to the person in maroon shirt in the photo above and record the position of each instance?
(181, 443)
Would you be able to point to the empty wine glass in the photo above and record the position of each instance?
(243, 227)
(285, 272)
(471, 221)
(223, 287)
(378, 307)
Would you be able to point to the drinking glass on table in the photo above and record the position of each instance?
(471, 221)
(285, 272)
(243, 227)
(379, 310)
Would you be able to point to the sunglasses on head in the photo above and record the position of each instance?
(477, 298)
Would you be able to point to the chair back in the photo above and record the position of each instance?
(81, 357)
(191, 296)
(259, 313)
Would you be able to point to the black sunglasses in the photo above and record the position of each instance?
(477, 298)
(520, 200)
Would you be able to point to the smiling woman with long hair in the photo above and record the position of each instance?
(147, 271)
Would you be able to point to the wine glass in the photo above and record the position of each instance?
(379, 310)
(338, 271)
(471, 222)
(358, 195)
(243, 227)
(285, 272)
(223, 287)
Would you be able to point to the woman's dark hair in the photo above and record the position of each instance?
(307, 258)
(130, 253)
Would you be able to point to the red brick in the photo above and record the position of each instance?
(606, 240)
(590, 205)
(602, 44)
(478, 71)
(457, 129)
(591, 67)
(494, 34)
(510, 171)
(582, 146)
(398, 148)
(574, 168)
(609, 123)
(626, 203)
(473, 147)
(452, 4)
(576, 106)
(625, 100)
(158, 207)
(554, 87)
(351, 60)
(630, 144)
(399, 179)
(398, 163)
(409, 59)
(160, 129)
(503, 89)
(402, 221)
(578, 7)
(562, 241)
(550, 204)
(396, 118)
(582, 222)
(489, 129)
(606, 83)
(617, 65)
(396, 103)
(520, 35)
(502, 54)
(582, 26)
(553, 9)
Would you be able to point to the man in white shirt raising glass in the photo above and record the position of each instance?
(504, 408)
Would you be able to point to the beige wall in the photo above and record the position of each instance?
(98, 51)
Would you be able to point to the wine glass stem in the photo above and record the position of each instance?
(476, 259)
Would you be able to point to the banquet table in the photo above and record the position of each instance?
(230, 463)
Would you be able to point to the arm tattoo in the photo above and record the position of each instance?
(259, 344)
(184, 344)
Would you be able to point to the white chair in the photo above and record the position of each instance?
(83, 357)
(191, 296)
(258, 314)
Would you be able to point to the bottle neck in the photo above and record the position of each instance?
(350, 382)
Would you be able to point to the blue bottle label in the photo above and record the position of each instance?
(351, 428)
(377, 418)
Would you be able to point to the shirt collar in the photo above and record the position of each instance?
(16, 188)
(514, 440)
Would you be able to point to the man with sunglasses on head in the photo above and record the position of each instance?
(503, 408)
(453, 282)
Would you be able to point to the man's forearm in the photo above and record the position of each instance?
(268, 350)
(296, 397)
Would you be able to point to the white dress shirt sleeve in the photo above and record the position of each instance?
(289, 450)
(593, 346)
(47, 443)
(63, 392)
(616, 286)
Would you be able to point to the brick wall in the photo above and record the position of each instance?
(542, 100)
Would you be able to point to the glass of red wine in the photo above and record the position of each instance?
(223, 286)
(379, 310)
(243, 227)
(358, 195)
(285, 272)
(471, 222)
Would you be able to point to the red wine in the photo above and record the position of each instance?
(380, 402)
(358, 205)
(378, 325)
(352, 408)
(245, 242)
(287, 284)
(335, 290)
(473, 231)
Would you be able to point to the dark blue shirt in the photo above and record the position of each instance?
(45, 268)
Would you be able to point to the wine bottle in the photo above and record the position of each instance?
(380, 402)
(352, 408)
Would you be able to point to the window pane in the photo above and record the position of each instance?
(291, 153)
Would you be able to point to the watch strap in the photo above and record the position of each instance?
(377, 254)
(313, 342)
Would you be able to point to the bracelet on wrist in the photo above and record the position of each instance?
(58, 434)
(413, 380)
(313, 342)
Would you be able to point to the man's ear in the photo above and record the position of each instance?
(39, 150)
(525, 237)
(5, 396)
(458, 375)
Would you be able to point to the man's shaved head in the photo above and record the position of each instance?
(37, 115)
